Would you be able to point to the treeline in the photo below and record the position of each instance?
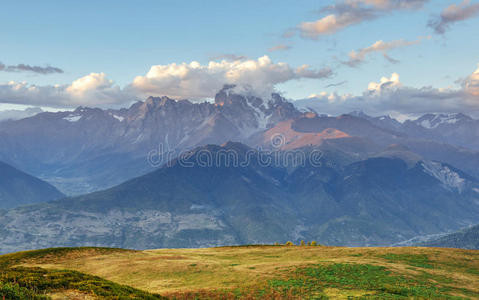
(302, 243)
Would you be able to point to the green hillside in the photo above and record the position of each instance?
(247, 272)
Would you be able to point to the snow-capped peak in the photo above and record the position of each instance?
(432, 121)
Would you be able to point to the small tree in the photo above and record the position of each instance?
(302, 243)
(289, 243)
(313, 243)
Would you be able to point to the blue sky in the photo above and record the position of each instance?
(124, 39)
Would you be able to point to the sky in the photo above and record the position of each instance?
(382, 56)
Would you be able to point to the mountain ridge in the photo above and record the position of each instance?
(83, 139)
(466, 238)
(18, 188)
(89, 149)
(377, 201)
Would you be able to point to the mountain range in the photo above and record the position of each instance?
(351, 179)
(377, 201)
(90, 149)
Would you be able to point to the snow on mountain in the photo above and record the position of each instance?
(381, 121)
(119, 118)
(123, 138)
(456, 129)
(432, 121)
(72, 118)
(252, 114)
(445, 175)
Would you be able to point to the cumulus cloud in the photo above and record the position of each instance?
(185, 80)
(93, 89)
(280, 47)
(196, 81)
(359, 56)
(28, 68)
(384, 84)
(351, 12)
(471, 84)
(390, 96)
(452, 14)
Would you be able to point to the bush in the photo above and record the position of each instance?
(13, 291)
(34, 283)
(289, 243)
(313, 243)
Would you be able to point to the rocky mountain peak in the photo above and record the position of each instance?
(253, 112)
(159, 101)
(432, 121)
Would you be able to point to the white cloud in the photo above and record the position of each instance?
(384, 84)
(358, 57)
(329, 24)
(350, 12)
(85, 84)
(195, 81)
(185, 80)
(471, 84)
(390, 96)
(93, 90)
(452, 14)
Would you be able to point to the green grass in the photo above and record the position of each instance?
(14, 291)
(14, 258)
(250, 272)
(357, 255)
(377, 281)
(415, 260)
(36, 283)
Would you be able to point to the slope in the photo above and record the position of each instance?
(232, 194)
(261, 272)
(466, 239)
(18, 188)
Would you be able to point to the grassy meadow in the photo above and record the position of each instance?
(245, 272)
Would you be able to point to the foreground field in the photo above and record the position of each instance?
(249, 272)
